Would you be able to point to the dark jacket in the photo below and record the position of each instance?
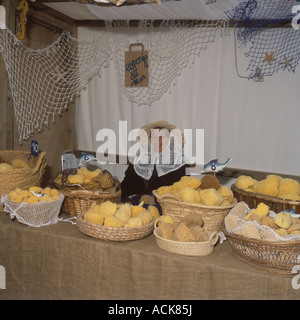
(134, 184)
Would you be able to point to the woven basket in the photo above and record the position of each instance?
(273, 256)
(113, 233)
(35, 215)
(22, 178)
(174, 207)
(253, 199)
(80, 201)
(186, 248)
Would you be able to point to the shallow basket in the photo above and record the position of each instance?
(272, 256)
(174, 207)
(275, 204)
(34, 214)
(113, 233)
(187, 248)
(80, 201)
(22, 178)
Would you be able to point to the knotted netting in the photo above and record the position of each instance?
(273, 47)
(44, 81)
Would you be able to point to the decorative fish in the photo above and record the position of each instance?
(215, 166)
(88, 160)
(69, 161)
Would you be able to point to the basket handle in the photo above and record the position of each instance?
(41, 161)
(213, 238)
(170, 196)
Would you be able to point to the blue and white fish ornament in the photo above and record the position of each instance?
(215, 166)
(89, 161)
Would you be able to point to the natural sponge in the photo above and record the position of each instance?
(226, 193)
(190, 195)
(5, 167)
(283, 219)
(183, 234)
(211, 197)
(244, 182)
(107, 208)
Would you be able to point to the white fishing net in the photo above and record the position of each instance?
(44, 81)
(34, 215)
(235, 223)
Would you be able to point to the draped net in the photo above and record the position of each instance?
(44, 81)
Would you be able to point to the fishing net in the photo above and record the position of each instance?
(262, 24)
(44, 81)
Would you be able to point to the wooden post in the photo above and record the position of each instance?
(6, 102)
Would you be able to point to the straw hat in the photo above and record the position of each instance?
(160, 124)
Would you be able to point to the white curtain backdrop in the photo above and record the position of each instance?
(256, 124)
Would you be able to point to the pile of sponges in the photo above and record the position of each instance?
(272, 185)
(122, 215)
(206, 191)
(33, 195)
(83, 178)
(188, 229)
(262, 224)
(15, 164)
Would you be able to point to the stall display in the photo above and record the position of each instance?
(116, 222)
(83, 188)
(186, 196)
(275, 191)
(263, 238)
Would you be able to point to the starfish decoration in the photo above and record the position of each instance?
(269, 58)
(286, 63)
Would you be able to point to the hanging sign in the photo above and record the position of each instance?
(136, 67)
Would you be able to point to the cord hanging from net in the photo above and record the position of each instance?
(44, 81)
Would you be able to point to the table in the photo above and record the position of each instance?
(60, 262)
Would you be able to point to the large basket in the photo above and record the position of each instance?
(113, 233)
(273, 256)
(253, 199)
(34, 215)
(80, 201)
(186, 248)
(174, 207)
(22, 178)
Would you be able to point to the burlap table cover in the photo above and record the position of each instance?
(59, 262)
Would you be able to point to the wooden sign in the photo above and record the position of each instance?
(136, 67)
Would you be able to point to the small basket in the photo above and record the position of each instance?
(272, 256)
(113, 233)
(275, 204)
(36, 214)
(186, 248)
(22, 178)
(80, 201)
(174, 207)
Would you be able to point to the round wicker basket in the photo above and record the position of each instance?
(187, 248)
(174, 207)
(22, 178)
(113, 233)
(80, 201)
(273, 256)
(34, 214)
(253, 199)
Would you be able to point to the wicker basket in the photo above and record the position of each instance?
(80, 201)
(22, 178)
(253, 199)
(113, 233)
(186, 248)
(273, 256)
(35, 215)
(174, 207)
